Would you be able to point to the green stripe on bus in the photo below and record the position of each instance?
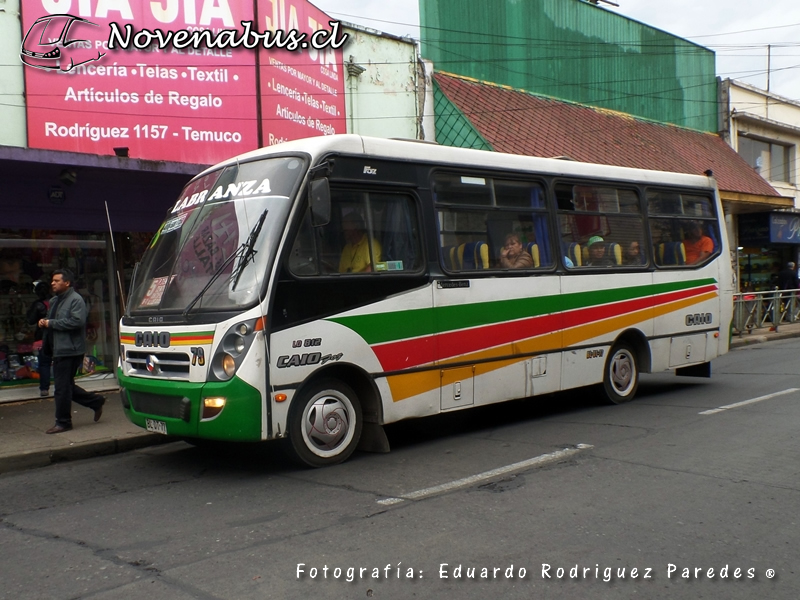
(405, 324)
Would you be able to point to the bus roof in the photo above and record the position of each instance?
(420, 151)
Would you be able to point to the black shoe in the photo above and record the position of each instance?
(98, 412)
(59, 429)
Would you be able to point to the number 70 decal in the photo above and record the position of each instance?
(198, 356)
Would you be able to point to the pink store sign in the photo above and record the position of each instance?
(302, 91)
(160, 98)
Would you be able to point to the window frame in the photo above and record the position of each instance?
(491, 179)
(413, 201)
(641, 215)
(713, 220)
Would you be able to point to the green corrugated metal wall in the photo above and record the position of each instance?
(576, 51)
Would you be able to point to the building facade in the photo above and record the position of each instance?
(388, 86)
(764, 128)
(92, 157)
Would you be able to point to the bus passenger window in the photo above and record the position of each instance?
(369, 232)
(487, 223)
(600, 227)
(683, 228)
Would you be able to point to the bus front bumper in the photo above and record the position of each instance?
(219, 411)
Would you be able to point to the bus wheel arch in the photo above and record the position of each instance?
(328, 413)
(627, 358)
(638, 341)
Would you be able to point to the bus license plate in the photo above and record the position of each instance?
(156, 426)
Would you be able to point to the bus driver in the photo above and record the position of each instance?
(356, 255)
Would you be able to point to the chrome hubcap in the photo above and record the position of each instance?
(622, 372)
(327, 426)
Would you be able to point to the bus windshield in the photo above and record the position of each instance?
(213, 249)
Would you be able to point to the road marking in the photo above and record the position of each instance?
(714, 411)
(472, 479)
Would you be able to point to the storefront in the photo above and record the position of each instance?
(54, 214)
(767, 241)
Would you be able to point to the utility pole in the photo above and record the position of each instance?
(769, 52)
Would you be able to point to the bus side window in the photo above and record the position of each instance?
(683, 228)
(601, 226)
(395, 226)
(464, 240)
(370, 232)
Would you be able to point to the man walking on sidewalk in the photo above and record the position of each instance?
(66, 330)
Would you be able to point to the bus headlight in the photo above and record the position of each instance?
(234, 344)
(234, 347)
(228, 365)
(224, 366)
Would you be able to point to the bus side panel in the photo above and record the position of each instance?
(692, 308)
(597, 309)
(502, 328)
(390, 336)
(297, 353)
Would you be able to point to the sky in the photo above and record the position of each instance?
(739, 31)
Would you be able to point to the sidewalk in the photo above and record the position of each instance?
(24, 416)
(759, 336)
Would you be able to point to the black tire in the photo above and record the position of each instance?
(621, 374)
(324, 423)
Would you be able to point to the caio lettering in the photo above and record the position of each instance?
(152, 339)
(699, 319)
(299, 360)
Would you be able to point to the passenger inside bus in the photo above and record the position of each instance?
(356, 256)
(513, 255)
(633, 254)
(597, 253)
(698, 245)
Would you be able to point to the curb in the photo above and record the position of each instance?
(750, 340)
(43, 458)
(760, 339)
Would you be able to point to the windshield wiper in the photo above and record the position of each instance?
(249, 251)
(244, 252)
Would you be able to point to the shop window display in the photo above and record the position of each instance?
(27, 256)
(759, 268)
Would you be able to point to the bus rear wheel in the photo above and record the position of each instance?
(324, 423)
(621, 374)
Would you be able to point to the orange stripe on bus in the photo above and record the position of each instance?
(413, 384)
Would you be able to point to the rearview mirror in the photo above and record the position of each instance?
(319, 198)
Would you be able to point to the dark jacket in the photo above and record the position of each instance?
(68, 324)
(37, 310)
(787, 279)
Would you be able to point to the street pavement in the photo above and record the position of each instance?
(24, 417)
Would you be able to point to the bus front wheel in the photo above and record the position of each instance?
(325, 423)
(621, 375)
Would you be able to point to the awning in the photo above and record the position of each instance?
(45, 189)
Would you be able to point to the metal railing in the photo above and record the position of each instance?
(754, 310)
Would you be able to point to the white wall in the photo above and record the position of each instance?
(13, 131)
(388, 99)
